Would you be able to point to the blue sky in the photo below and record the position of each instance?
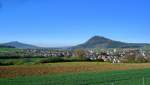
(70, 22)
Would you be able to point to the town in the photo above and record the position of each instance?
(113, 55)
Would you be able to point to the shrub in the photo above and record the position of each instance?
(9, 62)
(76, 59)
(12, 62)
(128, 59)
(50, 60)
(1, 63)
(19, 62)
(80, 53)
(140, 59)
(60, 59)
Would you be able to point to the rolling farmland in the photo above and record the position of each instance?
(76, 73)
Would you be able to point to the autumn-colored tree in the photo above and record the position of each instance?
(80, 53)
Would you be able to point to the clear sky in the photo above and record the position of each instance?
(70, 22)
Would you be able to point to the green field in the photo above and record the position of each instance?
(130, 77)
(110, 77)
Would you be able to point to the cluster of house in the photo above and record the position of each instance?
(115, 55)
(108, 55)
(47, 52)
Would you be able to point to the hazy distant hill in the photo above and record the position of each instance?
(3, 46)
(17, 44)
(102, 42)
(94, 42)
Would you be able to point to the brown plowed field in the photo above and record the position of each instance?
(67, 67)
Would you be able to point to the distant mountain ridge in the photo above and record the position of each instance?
(94, 42)
(17, 44)
(102, 42)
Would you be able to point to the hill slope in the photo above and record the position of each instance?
(3, 46)
(17, 44)
(102, 42)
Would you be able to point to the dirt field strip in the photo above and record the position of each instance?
(27, 70)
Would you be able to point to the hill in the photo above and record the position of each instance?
(3, 46)
(102, 42)
(17, 44)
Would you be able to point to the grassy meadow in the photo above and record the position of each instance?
(130, 77)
